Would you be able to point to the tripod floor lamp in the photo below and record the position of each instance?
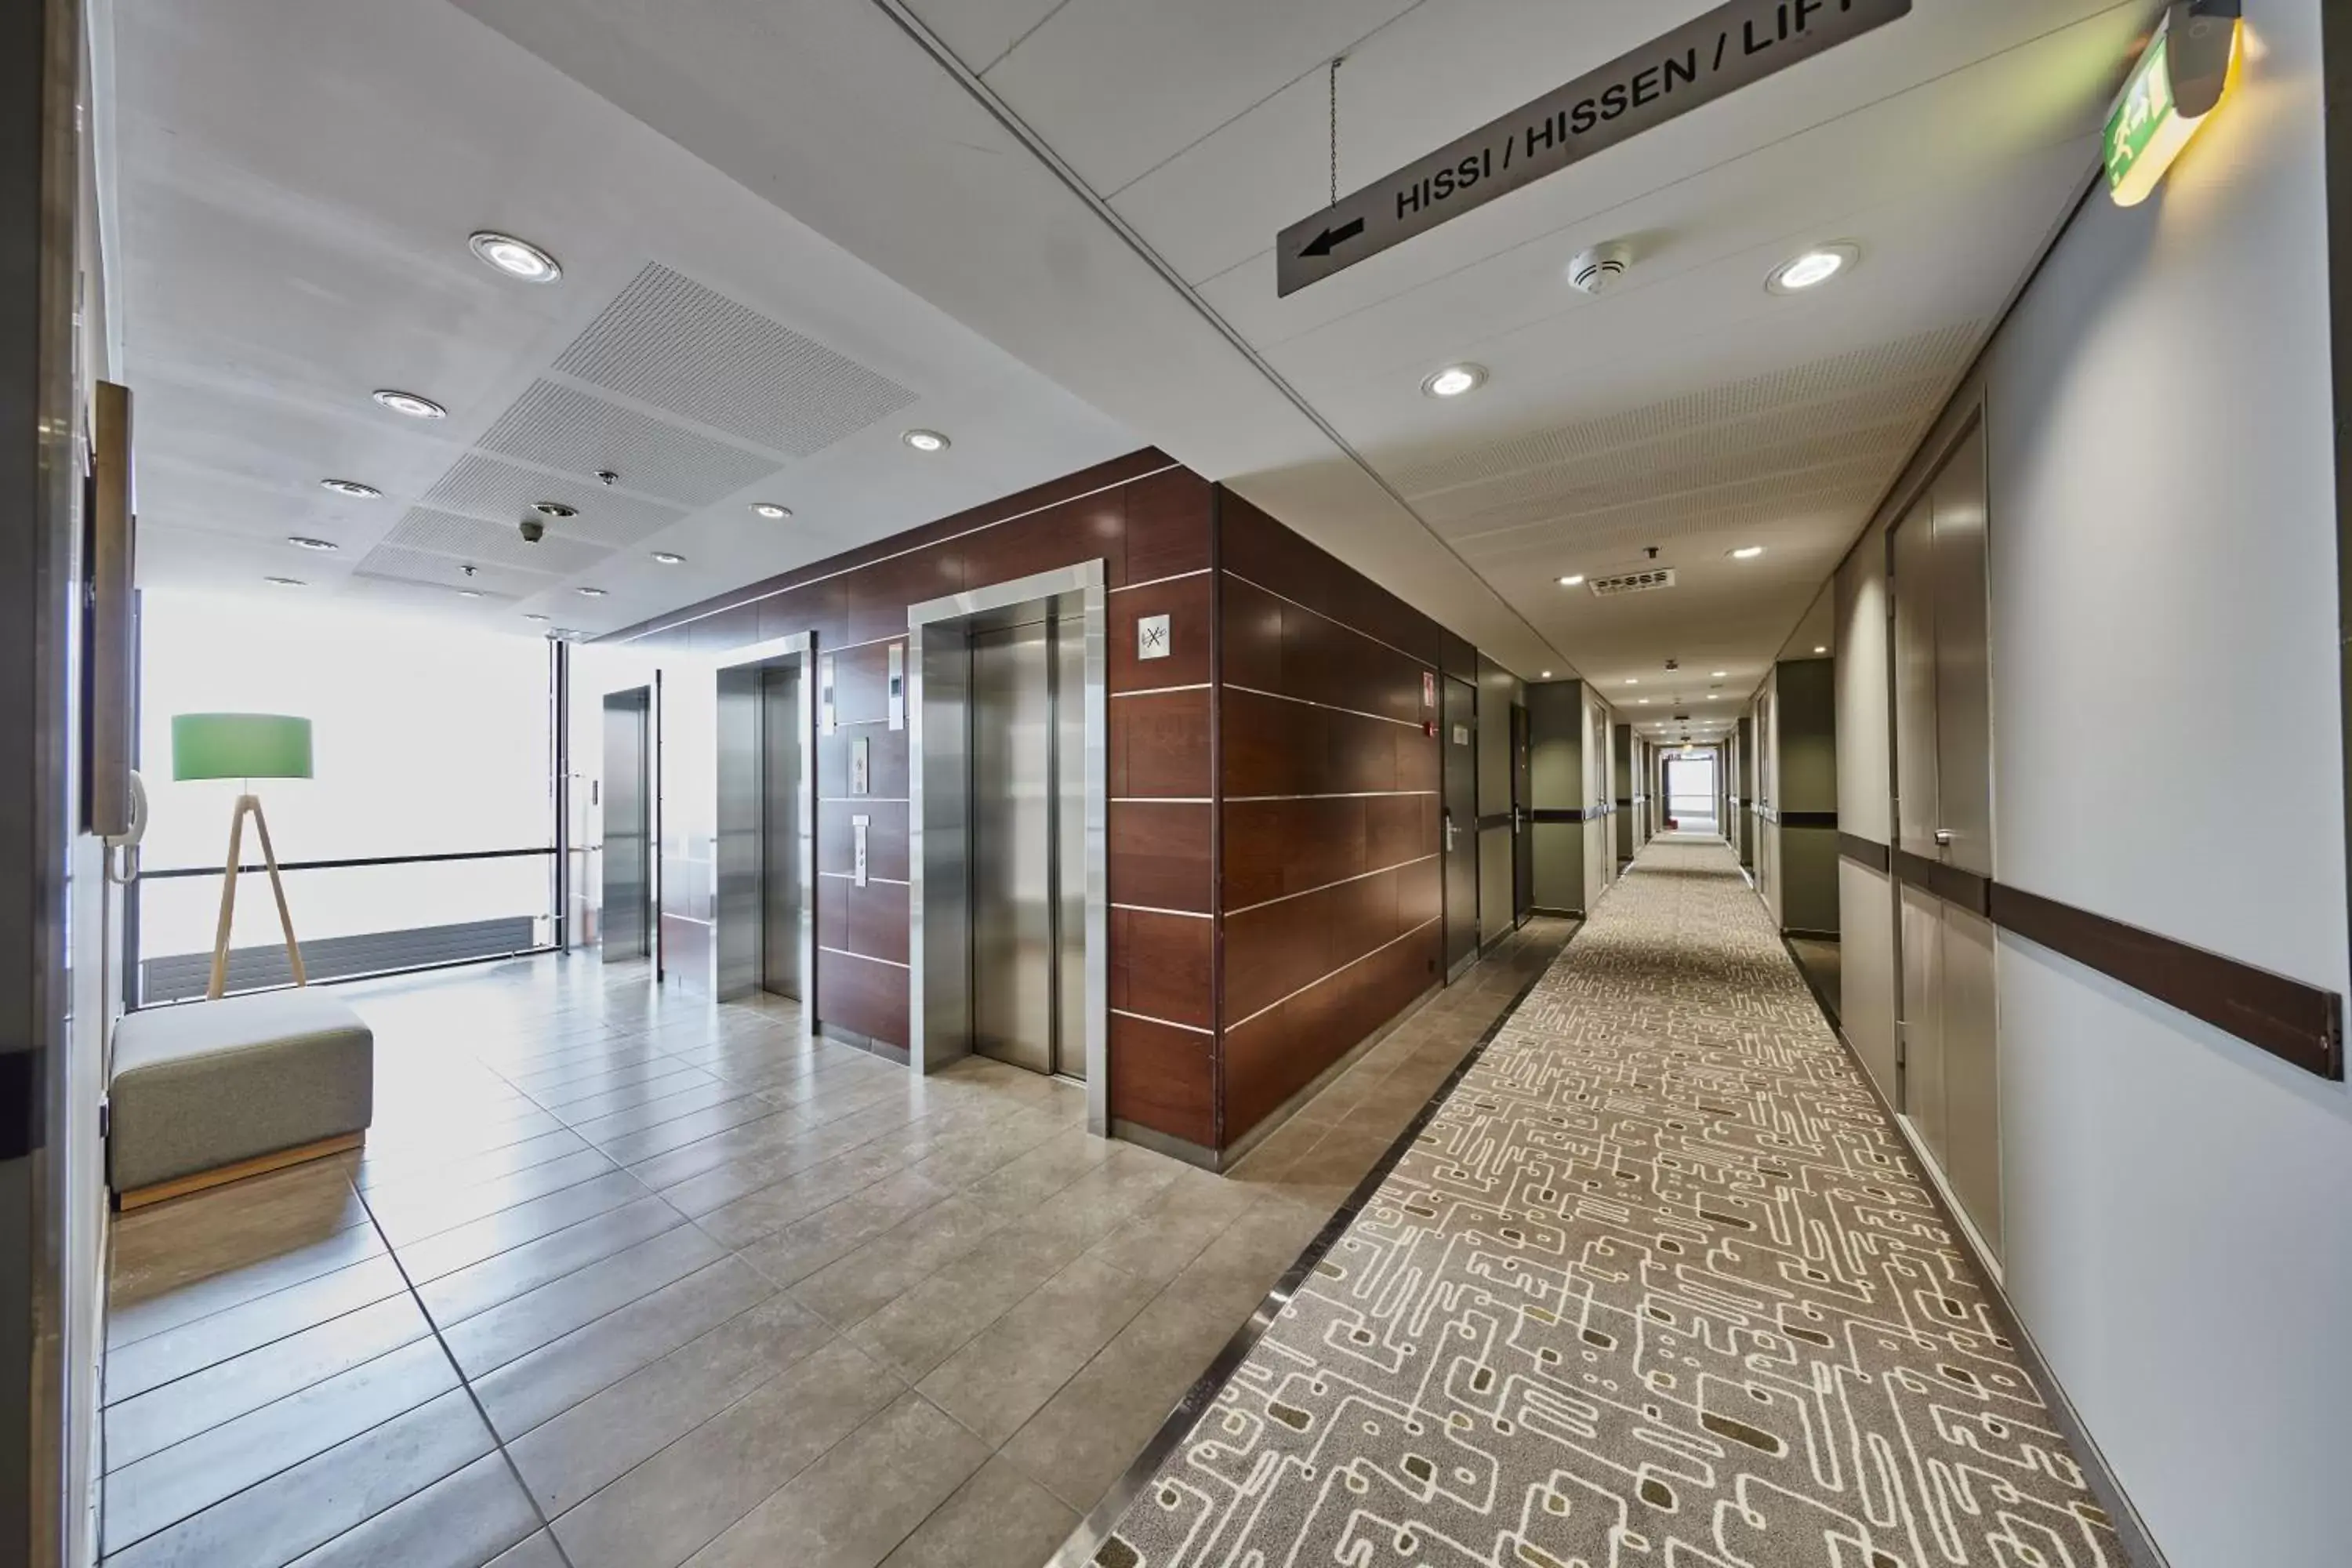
(245, 746)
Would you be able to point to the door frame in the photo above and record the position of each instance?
(799, 650)
(939, 948)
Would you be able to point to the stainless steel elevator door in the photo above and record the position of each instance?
(628, 825)
(739, 843)
(1014, 915)
(780, 830)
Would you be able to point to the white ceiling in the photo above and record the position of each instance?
(298, 180)
(310, 171)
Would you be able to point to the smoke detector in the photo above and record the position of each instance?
(1597, 269)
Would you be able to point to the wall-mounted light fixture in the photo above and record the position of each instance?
(2181, 78)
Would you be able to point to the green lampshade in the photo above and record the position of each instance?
(240, 746)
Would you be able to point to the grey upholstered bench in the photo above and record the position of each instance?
(209, 1091)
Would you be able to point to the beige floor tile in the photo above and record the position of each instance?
(551, 1379)
(869, 1277)
(1088, 1433)
(1233, 1273)
(186, 1406)
(743, 1220)
(318, 1499)
(669, 1507)
(537, 1552)
(853, 1506)
(490, 1340)
(565, 1459)
(934, 1320)
(190, 1347)
(1164, 1234)
(1008, 1372)
(461, 1520)
(999, 1519)
(806, 1245)
(689, 1127)
(436, 1167)
(454, 1298)
(760, 1139)
(451, 1250)
(411, 1214)
(1026, 1181)
(128, 1321)
(166, 1487)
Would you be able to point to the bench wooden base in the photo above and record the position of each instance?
(278, 1160)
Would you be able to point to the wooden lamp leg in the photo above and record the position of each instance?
(249, 803)
(229, 899)
(284, 916)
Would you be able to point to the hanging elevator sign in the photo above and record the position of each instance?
(1705, 58)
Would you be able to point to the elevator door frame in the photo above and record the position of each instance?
(799, 651)
(939, 847)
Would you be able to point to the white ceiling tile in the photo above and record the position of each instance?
(1118, 85)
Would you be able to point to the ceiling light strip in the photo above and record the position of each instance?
(985, 96)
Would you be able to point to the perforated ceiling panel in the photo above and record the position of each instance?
(392, 563)
(575, 432)
(671, 343)
(472, 540)
(503, 493)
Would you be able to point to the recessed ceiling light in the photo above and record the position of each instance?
(1572, 580)
(591, 593)
(1748, 553)
(304, 541)
(410, 404)
(1455, 380)
(350, 488)
(669, 559)
(1821, 650)
(285, 581)
(554, 508)
(515, 258)
(926, 440)
(1812, 270)
(774, 512)
(532, 615)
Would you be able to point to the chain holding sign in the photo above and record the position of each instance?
(1711, 56)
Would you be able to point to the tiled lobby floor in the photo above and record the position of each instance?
(694, 1286)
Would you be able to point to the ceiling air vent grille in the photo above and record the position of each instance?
(1634, 582)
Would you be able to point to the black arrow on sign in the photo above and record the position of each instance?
(1322, 243)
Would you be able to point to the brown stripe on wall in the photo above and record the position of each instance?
(2293, 1020)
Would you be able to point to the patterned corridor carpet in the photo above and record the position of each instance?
(1659, 1285)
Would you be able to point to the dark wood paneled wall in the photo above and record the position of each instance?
(1328, 809)
(1151, 524)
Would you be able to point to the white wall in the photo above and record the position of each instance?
(2164, 587)
(1866, 908)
